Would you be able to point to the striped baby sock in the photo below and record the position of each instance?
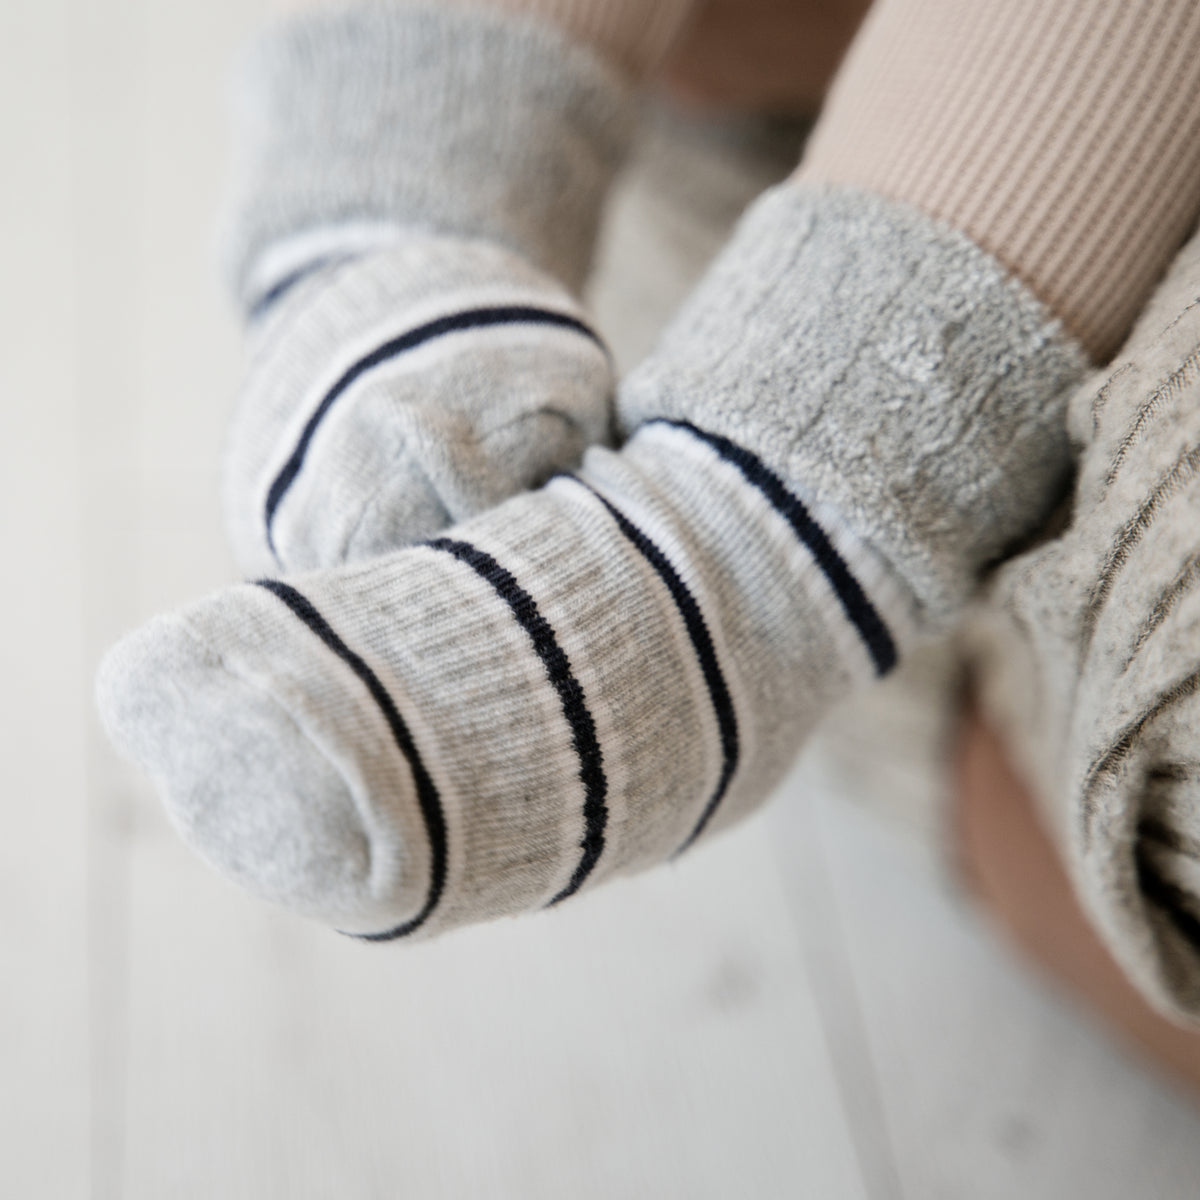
(857, 410)
(417, 195)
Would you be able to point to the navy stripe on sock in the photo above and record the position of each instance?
(706, 654)
(476, 318)
(858, 608)
(570, 695)
(275, 293)
(427, 794)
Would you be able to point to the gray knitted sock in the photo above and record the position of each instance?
(1089, 652)
(405, 390)
(417, 194)
(856, 411)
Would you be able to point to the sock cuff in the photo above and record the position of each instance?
(454, 119)
(905, 380)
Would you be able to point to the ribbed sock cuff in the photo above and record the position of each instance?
(456, 120)
(888, 369)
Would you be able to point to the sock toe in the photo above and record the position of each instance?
(244, 782)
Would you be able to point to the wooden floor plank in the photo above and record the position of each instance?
(656, 1039)
(154, 346)
(43, 994)
(108, 112)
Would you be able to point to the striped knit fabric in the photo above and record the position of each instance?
(1063, 137)
(1089, 652)
(587, 679)
(417, 198)
(403, 390)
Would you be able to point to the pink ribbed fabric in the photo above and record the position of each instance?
(1063, 136)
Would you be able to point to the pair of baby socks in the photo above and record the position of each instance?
(463, 705)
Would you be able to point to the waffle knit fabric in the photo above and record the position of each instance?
(857, 410)
(417, 193)
(1089, 652)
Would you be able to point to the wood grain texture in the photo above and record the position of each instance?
(43, 994)
(655, 1039)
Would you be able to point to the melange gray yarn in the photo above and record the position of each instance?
(886, 367)
(417, 197)
(587, 679)
(438, 117)
(1088, 649)
(408, 388)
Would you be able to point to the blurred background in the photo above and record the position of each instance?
(804, 1007)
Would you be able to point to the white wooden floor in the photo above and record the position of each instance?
(794, 1011)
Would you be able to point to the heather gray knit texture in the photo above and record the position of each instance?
(920, 395)
(417, 197)
(406, 389)
(1089, 652)
(586, 679)
(439, 117)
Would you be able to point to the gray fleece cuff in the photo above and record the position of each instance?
(887, 368)
(457, 120)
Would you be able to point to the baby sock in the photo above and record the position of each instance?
(1089, 652)
(418, 192)
(855, 412)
